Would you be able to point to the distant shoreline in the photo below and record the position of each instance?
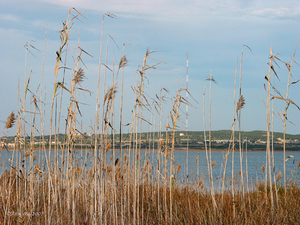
(176, 150)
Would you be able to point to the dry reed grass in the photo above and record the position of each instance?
(190, 206)
(133, 190)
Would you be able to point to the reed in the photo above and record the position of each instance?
(287, 102)
(109, 182)
(208, 151)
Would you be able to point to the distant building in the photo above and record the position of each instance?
(281, 141)
(223, 141)
(260, 141)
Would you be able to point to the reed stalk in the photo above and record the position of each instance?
(211, 79)
(231, 148)
(96, 129)
(272, 145)
(287, 102)
(208, 153)
(268, 130)
(121, 135)
(239, 120)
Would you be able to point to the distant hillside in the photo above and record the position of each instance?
(249, 135)
(252, 136)
(195, 136)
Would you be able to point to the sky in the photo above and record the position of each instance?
(211, 33)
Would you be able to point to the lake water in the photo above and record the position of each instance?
(197, 168)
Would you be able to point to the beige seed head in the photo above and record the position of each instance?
(200, 181)
(150, 168)
(279, 175)
(10, 120)
(240, 103)
(178, 168)
(213, 163)
(263, 168)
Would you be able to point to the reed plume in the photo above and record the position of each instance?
(123, 62)
(279, 175)
(10, 121)
(79, 76)
(240, 103)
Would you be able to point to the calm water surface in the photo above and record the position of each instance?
(196, 168)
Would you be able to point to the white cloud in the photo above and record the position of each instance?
(277, 13)
(43, 24)
(9, 17)
(177, 10)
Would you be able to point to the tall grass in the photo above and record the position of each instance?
(127, 187)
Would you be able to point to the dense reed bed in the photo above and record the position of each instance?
(126, 189)
(190, 205)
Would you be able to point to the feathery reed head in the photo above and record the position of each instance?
(200, 182)
(263, 168)
(279, 175)
(79, 76)
(240, 103)
(123, 62)
(178, 168)
(110, 94)
(10, 120)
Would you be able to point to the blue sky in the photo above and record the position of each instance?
(212, 32)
